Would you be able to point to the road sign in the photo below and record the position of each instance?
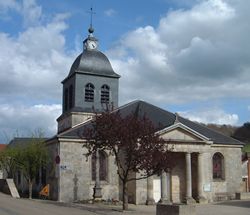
(45, 191)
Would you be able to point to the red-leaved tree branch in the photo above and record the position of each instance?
(134, 143)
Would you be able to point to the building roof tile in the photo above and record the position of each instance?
(161, 119)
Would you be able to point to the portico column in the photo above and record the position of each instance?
(164, 196)
(150, 196)
(201, 198)
(168, 174)
(97, 189)
(189, 198)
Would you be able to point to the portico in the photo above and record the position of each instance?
(181, 188)
(185, 182)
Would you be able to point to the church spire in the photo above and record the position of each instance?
(91, 29)
(90, 43)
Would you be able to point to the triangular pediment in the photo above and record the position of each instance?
(181, 132)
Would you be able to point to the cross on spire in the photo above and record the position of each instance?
(91, 29)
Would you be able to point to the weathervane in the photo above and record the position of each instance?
(90, 43)
(91, 29)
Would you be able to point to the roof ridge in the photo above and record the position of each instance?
(74, 127)
(142, 101)
(159, 108)
(125, 105)
(213, 130)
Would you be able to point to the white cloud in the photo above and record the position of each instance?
(6, 6)
(28, 9)
(195, 54)
(212, 115)
(31, 12)
(201, 53)
(24, 120)
(33, 64)
(110, 12)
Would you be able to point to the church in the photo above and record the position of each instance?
(209, 168)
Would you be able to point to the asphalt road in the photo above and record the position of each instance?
(12, 206)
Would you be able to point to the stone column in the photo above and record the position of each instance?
(189, 198)
(97, 188)
(169, 185)
(150, 193)
(164, 197)
(201, 198)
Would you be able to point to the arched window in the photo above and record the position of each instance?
(103, 170)
(105, 94)
(70, 96)
(66, 97)
(218, 166)
(89, 92)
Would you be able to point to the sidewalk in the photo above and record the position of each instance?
(10, 206)
(234, 207)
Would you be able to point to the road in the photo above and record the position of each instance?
(12, 206)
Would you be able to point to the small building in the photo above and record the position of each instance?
(209, 168)
(2, 172)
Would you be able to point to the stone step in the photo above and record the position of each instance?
(12, 188)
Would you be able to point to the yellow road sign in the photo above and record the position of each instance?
(45, 191)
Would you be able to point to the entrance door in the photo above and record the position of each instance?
(157, 189)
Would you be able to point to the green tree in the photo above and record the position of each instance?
(8, 161)
(31, 158)
(243, 134)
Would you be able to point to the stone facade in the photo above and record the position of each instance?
(72, 178)
(71, 119)
(201, 153)
(189, 181)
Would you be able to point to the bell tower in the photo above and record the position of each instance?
(90, 86)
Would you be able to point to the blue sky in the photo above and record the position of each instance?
(186, 56)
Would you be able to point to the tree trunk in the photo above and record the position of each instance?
(30, 189)
(124, 195)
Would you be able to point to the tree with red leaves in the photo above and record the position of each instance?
(134, 143)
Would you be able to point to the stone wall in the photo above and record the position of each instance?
(178, 185)
(232, 165)
(141, 191)
(166, 209)
(75, 175)
(213, 190)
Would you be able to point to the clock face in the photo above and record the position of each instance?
(91, 44)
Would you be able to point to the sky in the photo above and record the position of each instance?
(185, 56)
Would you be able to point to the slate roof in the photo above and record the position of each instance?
(22, 141)
(161, 119)
(92, 62)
